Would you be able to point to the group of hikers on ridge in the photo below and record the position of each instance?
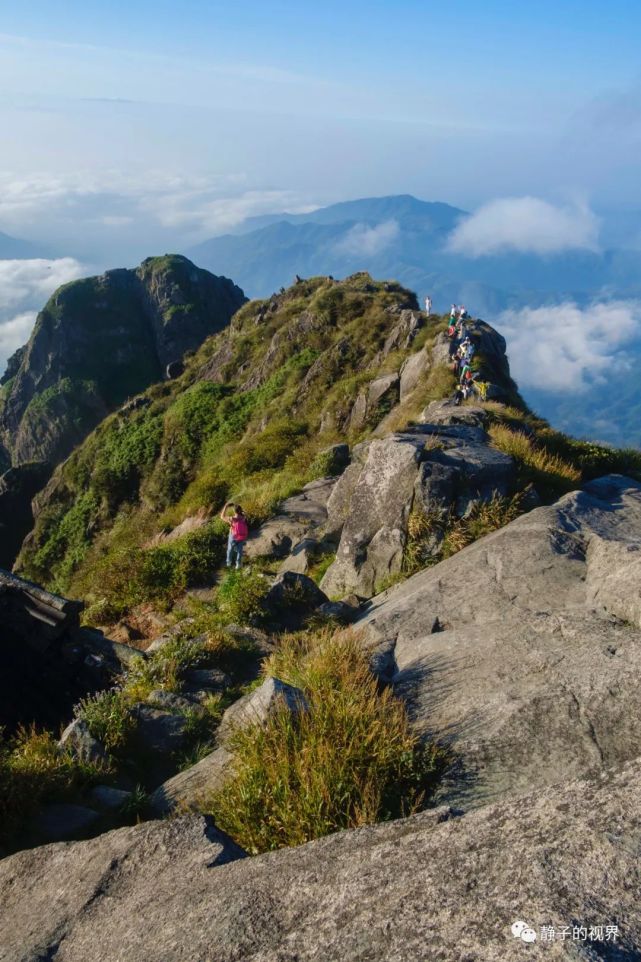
(461, 353)
(462, 350)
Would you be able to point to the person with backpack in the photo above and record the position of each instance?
(238, 534)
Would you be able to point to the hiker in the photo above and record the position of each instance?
(428, 305)
(462, 313)
(238, 534)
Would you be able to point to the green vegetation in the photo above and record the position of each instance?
(436, 535)
(33, 770)
(250, 433)
(351, 760)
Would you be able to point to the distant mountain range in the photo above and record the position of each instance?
(406, 239)
(12, 248)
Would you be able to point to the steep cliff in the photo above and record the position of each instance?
(97, 342)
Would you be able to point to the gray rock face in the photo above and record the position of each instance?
(445, 465)
(372, 404)
(413, 370)
(256, 707)
(298, 516)
(185, 789)
(514, 652)
(373, 537)
(430, 887)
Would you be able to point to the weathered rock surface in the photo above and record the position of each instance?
(292, 598)
(297, 517)
(208, 775)
(523, 651)
(373, 535)
(256, 707)
(446, 465)
(186, 788)
(431, 887)
(78, 739)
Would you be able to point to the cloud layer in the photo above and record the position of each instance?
(25, 286)
(361, 239)
(566, 348)
(526, 225)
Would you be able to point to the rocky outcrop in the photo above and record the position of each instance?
(522, 653)
(103, 339)
(433, 886)
(97, 342)
(47, 663)
(443, 466)
(297, 518)
(209, 775)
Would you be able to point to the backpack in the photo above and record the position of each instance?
(239, 529)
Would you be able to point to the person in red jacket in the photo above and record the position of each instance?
(238, 534)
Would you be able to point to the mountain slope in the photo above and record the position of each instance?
(97, 342)
(100, 340)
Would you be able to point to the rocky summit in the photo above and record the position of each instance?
(406, 728)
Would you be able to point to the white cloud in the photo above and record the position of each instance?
(25, 286)
(525, 224)
(361, 239)
(197, 206)
(566, 348)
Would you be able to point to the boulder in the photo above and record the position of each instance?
(402, 335)
(412, 371)
(340, 499)
(291, 598)
(297, 516)
(375, 401)
(373, 536)
(302, 557)
(515, 652)
(256, 707)
(59, 821)
(340, 610)
(185, 789)
(108, 799)
(158, 732)
(433, 886)
(78, 739)
(169, 701)
(211, 679)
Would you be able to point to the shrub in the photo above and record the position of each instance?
(438, 534)
(108, 717)
(240, 597)
(351, 760)
(32, 769)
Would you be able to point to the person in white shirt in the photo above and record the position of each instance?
(428, 305)
(453, 312)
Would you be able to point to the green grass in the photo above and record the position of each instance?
(549, 472)
(34, 770)
(436, 535)
(351, 760)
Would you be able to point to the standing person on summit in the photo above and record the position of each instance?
(238, 534)
(428, 305)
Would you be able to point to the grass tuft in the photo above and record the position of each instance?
(351, 760)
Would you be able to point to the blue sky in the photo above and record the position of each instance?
(185, 116)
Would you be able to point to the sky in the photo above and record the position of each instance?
(131, 128)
